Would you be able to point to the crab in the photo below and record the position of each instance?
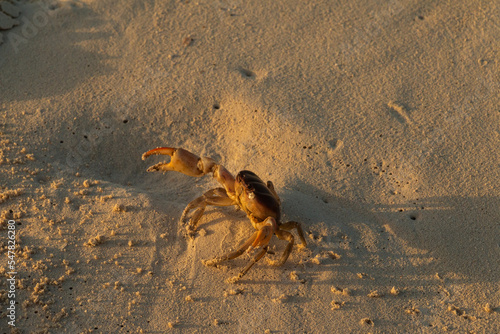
(257, 199)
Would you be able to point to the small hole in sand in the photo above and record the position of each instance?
(413, 217)
(246, 73)
(125, 121)
(216, 106)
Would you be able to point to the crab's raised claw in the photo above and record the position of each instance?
(181, 161)
(190, 164)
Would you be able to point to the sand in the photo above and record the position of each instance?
(377, 121)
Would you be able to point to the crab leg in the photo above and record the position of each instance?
(257, 257)
(260, 238)
(217, 197)
(232, 255)
(185, 162)
(295, 225)
(264, 234)
(284, 235)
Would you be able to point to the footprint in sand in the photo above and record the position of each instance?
(8, 14)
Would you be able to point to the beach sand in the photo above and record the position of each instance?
(377, 122)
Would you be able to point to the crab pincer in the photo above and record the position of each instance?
(181, 161)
